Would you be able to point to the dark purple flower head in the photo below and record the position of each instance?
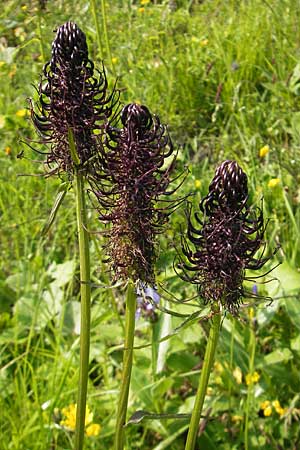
(225, 246)
(134, 180)
(72, 96)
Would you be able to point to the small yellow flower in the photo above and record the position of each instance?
(264, 151)
(281, 411)
(252, 378)
(218, 367)
(237, 374)
(8, 150)
(114, 60)
(276, 404)
(198, 184)
(255, 377)
(93, 429)
(265, 404)
(204, 43)
(141, 10)
(273, 182)
(23, 7)
(268, 411)
(194, 39)
(144, 2)
(70, 416)
(21, 113)
(278, 408)
(209, 391)
(236, 419)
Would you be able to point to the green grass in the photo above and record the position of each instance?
(225, 76)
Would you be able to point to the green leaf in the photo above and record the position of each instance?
(62, 273)
(63, 189)
(288, 286)
(278, 356)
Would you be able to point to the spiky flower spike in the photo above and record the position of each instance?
(72, 97)
(231, 233)
(134, 165)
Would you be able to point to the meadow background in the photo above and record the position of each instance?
(225, 76)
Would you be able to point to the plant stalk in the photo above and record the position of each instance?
(203, 381)
(252, 348)
(98, 32)
(127, 365)
(85, 295)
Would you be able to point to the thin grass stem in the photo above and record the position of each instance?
(252, 348)
(203, 381)
(96, 21)
(103, 10)
(85, 296)
(127, 365)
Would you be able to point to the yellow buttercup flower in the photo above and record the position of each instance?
(93, 429)
(8, 150)
(144, 2)
(114, 60)
(141, 10)
(264, 151)
(273, 182)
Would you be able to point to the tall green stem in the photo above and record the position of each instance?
(127, 366)
(85, 295)
(98, 33)
(203, 381)
(252, 345)
(103, 10)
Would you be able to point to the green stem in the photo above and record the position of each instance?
(203, 381)
(95, 16)
(252, 346)
(103, 10)
(127, 366)
(39, 32)
(85, 295)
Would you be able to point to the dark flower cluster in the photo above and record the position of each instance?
(72, 97)
(229, 237)
(134, 179)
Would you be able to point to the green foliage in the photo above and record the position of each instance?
(225, 76)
